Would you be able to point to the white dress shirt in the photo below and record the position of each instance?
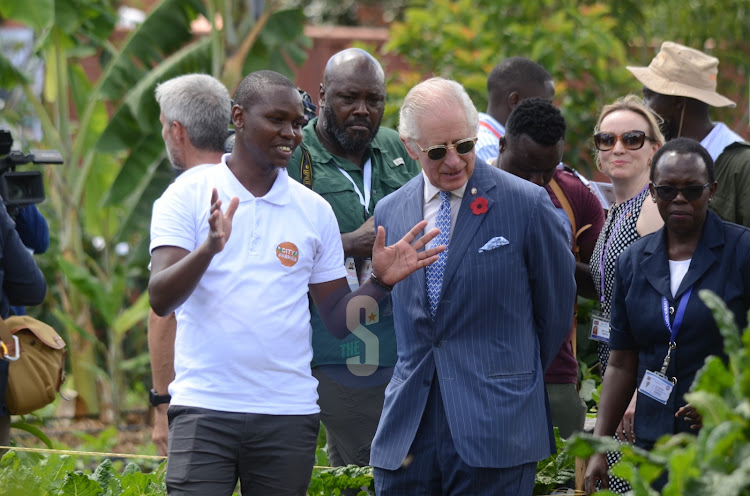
(432, 205)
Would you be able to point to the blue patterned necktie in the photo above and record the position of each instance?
(434, 276)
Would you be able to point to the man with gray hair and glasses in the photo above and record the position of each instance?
(195, 116)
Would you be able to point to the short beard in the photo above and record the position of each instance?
(174, 161)
(345, 141)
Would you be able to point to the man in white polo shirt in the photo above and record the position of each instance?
(244, 402)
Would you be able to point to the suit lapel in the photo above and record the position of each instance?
(656, 259)
(413, 213)
(703, 256)
(467, 222)
(655, 264)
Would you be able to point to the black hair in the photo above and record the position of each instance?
(251, 89)
(537, 118)
(515, 73)
(684, 146)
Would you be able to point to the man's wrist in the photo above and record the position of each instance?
(377, 282)
(156, 399)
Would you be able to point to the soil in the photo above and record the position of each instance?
(131, 436)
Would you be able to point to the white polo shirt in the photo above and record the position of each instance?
(244, 336)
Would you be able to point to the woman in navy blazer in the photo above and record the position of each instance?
(656, 305)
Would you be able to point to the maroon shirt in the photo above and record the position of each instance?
(586, 210)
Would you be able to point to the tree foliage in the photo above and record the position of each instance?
(108, 131)
(584, 45)
(465, 39)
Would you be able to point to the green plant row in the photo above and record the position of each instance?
(717, 460)
(33, 475)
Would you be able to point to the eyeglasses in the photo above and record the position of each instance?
(631, 140)
(690, 193)
(438, 152)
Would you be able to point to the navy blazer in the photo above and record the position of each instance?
(720, 263)
(502, 317)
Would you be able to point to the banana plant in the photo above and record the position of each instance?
(107, 129)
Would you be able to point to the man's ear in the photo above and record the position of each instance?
(238, 117)
(513, 99)
(411, 152)
(179, 133)
(503, 143)
(321, 96)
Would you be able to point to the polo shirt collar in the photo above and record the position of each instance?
(431, 191)
(277, 195)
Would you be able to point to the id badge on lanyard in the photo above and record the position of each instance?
(599, 328)
(352, 279)
(657, 385)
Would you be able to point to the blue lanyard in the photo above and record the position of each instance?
(673, 329)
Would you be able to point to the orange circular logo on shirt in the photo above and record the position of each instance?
(287, 253)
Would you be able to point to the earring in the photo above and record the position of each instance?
(710, 199)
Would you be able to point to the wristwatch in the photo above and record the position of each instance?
(156, 399)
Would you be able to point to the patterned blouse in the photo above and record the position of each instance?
(618, 233)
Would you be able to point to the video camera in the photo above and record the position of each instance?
(22, 188)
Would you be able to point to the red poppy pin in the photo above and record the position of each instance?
(479, 205)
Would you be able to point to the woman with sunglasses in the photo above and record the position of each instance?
(661, 330)
(626, 138)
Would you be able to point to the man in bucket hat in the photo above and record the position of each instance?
(680, 84)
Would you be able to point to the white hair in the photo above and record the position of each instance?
(201, 103)
(424, 98)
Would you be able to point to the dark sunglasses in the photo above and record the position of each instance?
(438, 152)
(690, 193)
(631, 140)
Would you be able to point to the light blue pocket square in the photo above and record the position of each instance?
(494, 243)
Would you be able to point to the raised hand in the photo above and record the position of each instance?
(220, 223)
(391, 264)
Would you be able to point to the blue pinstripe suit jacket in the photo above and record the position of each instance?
(502, 317)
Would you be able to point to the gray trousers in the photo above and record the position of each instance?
(271, 455)
(568, 409)
(350, 416)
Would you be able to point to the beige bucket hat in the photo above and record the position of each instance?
(682, 71)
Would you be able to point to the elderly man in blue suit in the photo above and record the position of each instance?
(466, 411)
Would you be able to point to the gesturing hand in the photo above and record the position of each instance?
(220, 224)
(393, 263)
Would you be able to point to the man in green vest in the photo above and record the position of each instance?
(352, 162)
